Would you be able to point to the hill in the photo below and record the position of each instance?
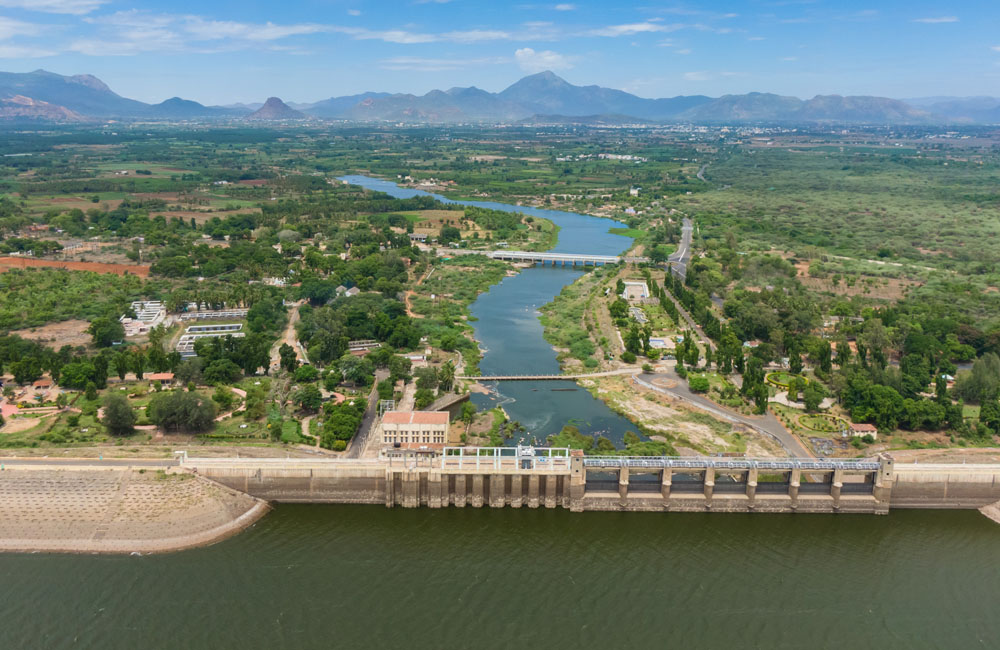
(275, 109)
(19, 108)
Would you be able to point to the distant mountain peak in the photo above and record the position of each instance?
(275, 109)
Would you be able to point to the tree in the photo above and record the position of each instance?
(119, 418)
(288, 359)
(309, 398)
(104, 331)
(812, 396)
(91, 392)
(824, 359)
(122, 363)
(357, 370)
(189, 371)
(468, 412)
(989, 414)
(446, 376)
(256, 405)
(795, 362)
(306, 374)
(223, 371)
(423, 398)
(692, 354)
(138, 363)
(981, 382)
(26, 370)
(427, 378)
(181, 411)
(223, 397)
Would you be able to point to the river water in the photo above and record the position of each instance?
(366, 577)
(508, 329)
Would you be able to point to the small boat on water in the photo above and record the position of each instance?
(563, 390)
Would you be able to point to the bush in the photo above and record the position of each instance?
(628, 357)
(339, 445)
(698, 383)
(72, 420)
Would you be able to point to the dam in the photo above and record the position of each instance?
(563, 478)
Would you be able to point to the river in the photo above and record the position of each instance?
(508, 329)
(367, 577)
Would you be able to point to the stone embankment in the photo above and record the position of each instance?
(117, 510)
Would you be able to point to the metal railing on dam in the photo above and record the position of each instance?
(559, 477)
(703, 462)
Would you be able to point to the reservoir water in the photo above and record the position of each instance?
(366, 577)
(508, 329)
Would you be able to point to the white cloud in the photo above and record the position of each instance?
(685, 50)
(995, 48)
(76, 7)
(634, 28)
(23, 52)
(756, 38)
(353, 12)
(208, 30)
(936, 20)
(706, 75)
(531, 61)
(697, 76)
(565, 7)
(789, 58)
(10, 28)
(388, 35)
(421, 64)
(476, 36)
(131, 32)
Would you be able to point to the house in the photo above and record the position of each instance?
(165, 378)
(42, 385)
(418, 236)
(353, 291)
(860, 430)
(634, 191)
(414, 429)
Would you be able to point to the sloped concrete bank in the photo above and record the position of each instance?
(117, 510)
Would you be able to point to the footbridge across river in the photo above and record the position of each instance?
(558, 477)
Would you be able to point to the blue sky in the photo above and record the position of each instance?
(221, 51)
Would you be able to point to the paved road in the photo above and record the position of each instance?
(91, 462)
(682, 256)
(767, 424)
(366, 431)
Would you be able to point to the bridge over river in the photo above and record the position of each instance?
(678, 260)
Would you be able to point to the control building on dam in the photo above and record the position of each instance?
(551, 478)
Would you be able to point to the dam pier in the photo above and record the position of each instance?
(562, 478)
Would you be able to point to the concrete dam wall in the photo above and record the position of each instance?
(583, 484)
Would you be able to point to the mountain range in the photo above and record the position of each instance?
(46, 96)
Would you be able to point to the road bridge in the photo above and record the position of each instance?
(589, 375)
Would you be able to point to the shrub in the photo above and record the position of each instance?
(698, 383)
(339, 445)
(628, 357)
